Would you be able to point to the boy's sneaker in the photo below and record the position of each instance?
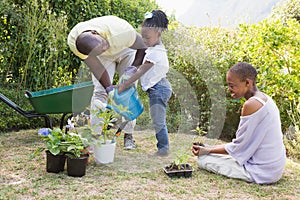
(129, 143)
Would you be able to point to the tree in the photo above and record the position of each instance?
(286, 9)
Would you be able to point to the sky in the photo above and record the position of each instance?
(179, 6)
(224, 13)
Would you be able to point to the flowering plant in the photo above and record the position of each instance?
(101, 132)
(108, 119)
(53, 139)
(75, 144)
(72, 144)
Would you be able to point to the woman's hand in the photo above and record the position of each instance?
(200, 150)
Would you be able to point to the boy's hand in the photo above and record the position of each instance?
(121, 88)
(130, 70)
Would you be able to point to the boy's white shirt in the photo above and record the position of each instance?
(158, 56)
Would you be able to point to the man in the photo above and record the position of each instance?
(107, 44)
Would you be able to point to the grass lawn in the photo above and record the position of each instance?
(135, 174)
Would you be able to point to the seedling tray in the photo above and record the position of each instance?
(185, 173)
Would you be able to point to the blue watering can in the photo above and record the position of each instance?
(127, 99)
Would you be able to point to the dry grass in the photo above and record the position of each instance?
(133, 175)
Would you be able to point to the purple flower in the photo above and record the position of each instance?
(44, 132)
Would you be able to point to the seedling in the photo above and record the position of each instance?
(180, 160)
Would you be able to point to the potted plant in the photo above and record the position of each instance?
(179, 166)
(55, 158)
(103, 147)
(75, 149)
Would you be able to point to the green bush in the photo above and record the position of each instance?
(292, 135)
(34, 51)
(203, 55)
(34, 54)
(197, 80)
(273, 47)
(292, 142)
(285, 10)
(11, 119)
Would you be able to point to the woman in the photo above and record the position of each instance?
(257, 154)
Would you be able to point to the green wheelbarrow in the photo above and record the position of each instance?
(64, 100)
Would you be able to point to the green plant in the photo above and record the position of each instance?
(292, 142)
(200, 131)
(286, 10)
(292, 135)
(74, 145)
(78, 139)
(102, 131)
(70, 143)
(107, 118)
(54, 139)
(181, 158)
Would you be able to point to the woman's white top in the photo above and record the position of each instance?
(259, 144)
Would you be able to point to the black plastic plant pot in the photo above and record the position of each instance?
(185, 171)
(76, 167)
(55, 163)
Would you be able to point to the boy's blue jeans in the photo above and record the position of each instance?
(159, 96)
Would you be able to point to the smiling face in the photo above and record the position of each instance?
(151, 36)
(236, 86)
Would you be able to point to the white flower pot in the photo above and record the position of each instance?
(104, 153)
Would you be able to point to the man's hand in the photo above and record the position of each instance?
(110, 88)
(110, 91)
